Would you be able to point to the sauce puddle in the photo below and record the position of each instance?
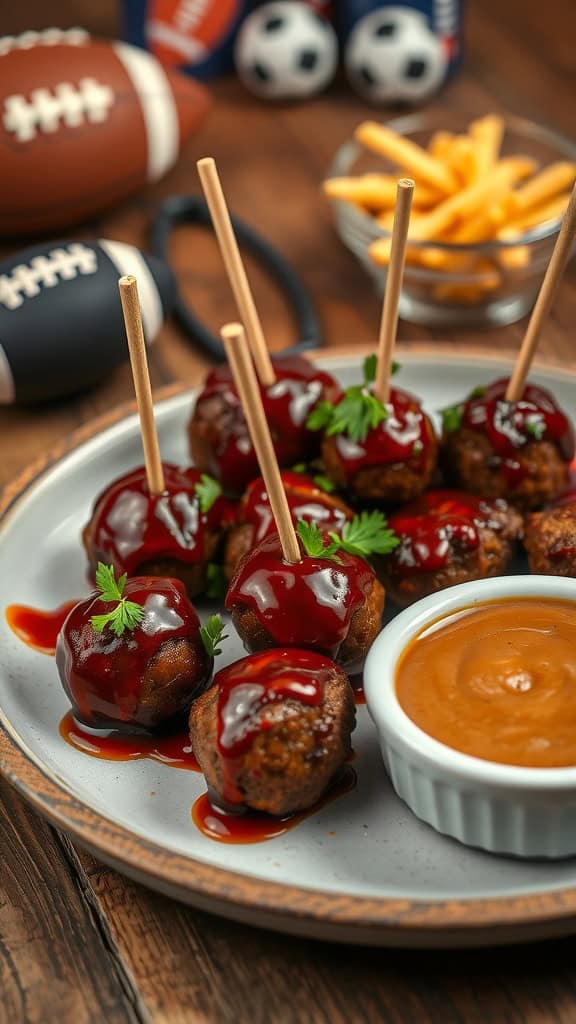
(36, 627)
(173, 749)
(254, 827)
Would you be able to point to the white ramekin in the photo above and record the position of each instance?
(528, 812)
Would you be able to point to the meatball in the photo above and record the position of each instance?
(218, 433)
(520, 451)
(448, 537)
(550, 540)
(144, 677)
(255, 521)
(396, 460)
(279, 748)
(176, 534)
(332, 605)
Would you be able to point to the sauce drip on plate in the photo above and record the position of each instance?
(37, 628)
(172, 749)
(252, 827)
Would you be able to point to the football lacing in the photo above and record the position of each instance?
(27, 280)
(48, 37)
(72, 105)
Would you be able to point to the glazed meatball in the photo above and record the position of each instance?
(520, 451)
(550, 540)
(307, 501)
(176, 534)
(218, 433)
(332, 606)
(279, 748)
(144, 677)
(396, 460)
(448, 537)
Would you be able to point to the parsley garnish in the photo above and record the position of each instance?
(477, 392)
(535, 429)
(300, 467)
(212, 635)
(127, 614)
(324, 483)
(215, 581)
(357, 413)
(367, 534)
(208, 491)
(452, 418)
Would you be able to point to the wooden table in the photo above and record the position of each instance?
(78, 942)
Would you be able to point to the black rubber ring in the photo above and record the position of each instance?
(193, 210)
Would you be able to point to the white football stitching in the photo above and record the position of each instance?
(48, 37)
(26, 281)
(72, 105)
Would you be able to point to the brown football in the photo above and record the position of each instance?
(83, 124)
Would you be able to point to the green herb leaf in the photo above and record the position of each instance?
(370, 367)
(316, 543)
(535, 429)
(212, 634)
(216, 583)
(126, 615)
(477, 392)
(367, 534)
(356, 414)
(394, 368)
(208, 491)
(452, 418)
(320, 416)
(300, 467)
(325, 483)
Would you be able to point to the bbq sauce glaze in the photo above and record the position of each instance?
(130, 527)
(105, 676)
(287, 404)
(430, 527)
(305, 499)
(405, 436)
(247, 687)
(510, 426)
(36, 627)
(303, 604)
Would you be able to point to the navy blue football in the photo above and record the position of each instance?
(61, 326)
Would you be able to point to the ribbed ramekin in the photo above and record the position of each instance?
(527, 812)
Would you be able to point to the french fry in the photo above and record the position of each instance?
(551, 210)
(487, 133)
(545, 186)
(515, 258)
(408, 155)
(465, 294)
(372, 190)
(440, 144)
(461, 156)
(480, 228)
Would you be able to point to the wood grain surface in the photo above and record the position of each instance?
(77, 941)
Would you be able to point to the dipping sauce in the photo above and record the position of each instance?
(497, 681)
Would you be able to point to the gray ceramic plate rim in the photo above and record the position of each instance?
(317, 914)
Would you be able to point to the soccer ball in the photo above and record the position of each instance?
(285, 50)
(392, 56)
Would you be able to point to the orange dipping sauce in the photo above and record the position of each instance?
(497, 681)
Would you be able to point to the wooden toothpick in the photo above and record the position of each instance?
(546, 297)
(235, 269)
(245, 379)
(137, 346)
(389, 321)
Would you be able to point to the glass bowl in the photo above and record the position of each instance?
(505, 287)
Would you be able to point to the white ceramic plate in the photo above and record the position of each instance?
(363, 869)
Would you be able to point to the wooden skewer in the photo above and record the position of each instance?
(389, 321)
(133, 323)
(245, 378)
(235, 269)
(544, 301)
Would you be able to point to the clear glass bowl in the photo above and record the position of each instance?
(498, 294)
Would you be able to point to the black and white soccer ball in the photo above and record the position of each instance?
(285, 50)
(392, 56)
